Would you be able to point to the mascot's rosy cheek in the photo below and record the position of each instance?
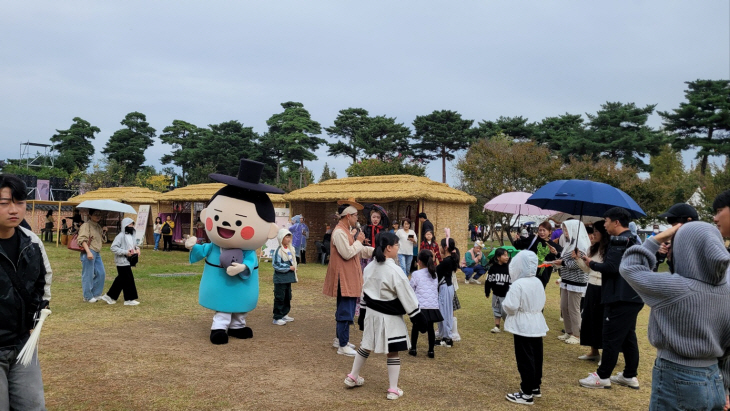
(247, 232)
(209, 224)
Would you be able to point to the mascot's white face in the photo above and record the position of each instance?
(233, 223)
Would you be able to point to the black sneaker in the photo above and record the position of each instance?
(447, 342)
(412, 352)
(536, 393)
(430, 354)
(520, 398)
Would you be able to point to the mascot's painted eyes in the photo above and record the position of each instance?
(238, 223)
(216, 218)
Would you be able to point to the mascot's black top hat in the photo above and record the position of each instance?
(249, 175)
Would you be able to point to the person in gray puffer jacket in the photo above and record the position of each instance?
(689, 323)
(126, 255)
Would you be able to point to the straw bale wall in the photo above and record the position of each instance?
(452, 215)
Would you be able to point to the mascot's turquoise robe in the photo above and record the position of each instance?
(222, 292)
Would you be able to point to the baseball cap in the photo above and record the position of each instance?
(681, 210)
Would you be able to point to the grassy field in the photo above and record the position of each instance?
(157, 355)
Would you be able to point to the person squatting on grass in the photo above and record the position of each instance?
(285, 273)
(93, 272)
(573, 279)
(498, 282)
(445, 272)
(24, 290)
(523, 304)
(425, 284)
(475, 264)
(344, 274)
(126, 255)
(689, 323)
(386, 297)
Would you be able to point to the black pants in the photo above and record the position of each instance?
(123, 283)
(591, 326)
(303, 257)
(528, 352)
(282, 300)
(619, 335)
(167, 242)
(431, 337)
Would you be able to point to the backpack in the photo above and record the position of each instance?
(166, 230)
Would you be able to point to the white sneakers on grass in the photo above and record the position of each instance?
(131, 302)
(572, 340)
(108, 299)
(626, 382)
(336, 343)
(287, 318)
(594, 381)
(346, 350)
(495, 330)
(564, 337)
(279, 322)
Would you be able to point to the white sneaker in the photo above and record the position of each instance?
(287, 319)
(336, 343)
(589, 357)
(131, 302)
(346, 350)
(626, 382)
(475, 281)
(564, 337)
(91, 300)
(594, 381)
(495, 330)
(108, 299)
(279, 322)
(394, 394)
(572, 340)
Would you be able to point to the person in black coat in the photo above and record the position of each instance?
(545, 249)
(426, 225)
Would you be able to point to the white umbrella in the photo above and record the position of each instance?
(107, 205)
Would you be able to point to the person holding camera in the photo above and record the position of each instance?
(621, 308)
(688, 324)
(406, 240)
(679, 213)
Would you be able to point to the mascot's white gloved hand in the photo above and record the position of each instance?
(190, 242)
(235, 269)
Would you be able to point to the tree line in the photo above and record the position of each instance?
(616, 134)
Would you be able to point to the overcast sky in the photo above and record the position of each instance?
(210, 62)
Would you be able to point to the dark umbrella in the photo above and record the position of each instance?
(583, 197)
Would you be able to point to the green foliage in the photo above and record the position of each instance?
(385, 137)
(563, 134)
(619, 132)
(185, 138)
(327, 174)
(44, 172)
(441, 134)
(126, 146)
(703, 121)
(292, 136)
(105, 173)
(350, 128)
(74, 147)
(291, 177)
(514, 127)
(389, 166)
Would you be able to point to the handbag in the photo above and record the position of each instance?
(133, 259)
(73, 244)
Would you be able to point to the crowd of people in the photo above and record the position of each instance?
(606, 278)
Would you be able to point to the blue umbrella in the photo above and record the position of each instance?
(583, 197)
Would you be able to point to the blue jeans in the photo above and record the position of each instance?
(157, 240)
(676, 386)
(344, 315)
(92, 275)
(405, 262)
(477, 271)
(21, 387)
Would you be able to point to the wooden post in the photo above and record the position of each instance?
(58, 226)
(192, 216)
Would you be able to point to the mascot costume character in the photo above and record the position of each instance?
(238, 220)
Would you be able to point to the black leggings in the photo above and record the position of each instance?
(167, 242)
(431, 337)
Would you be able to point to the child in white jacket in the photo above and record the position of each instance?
(523, 304)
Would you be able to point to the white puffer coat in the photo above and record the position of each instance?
(525, 299)
(426, 288)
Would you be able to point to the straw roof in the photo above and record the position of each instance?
(122, 194)
(202, 193)
(381, 189)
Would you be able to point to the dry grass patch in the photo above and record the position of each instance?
(157, 355)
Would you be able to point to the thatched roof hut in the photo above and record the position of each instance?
(400, 195)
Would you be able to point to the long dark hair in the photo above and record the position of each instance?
(49, 213)
(450, 247)
(497, 253)
(600, 247)
(426, 257)
(383, 240)
(158, 218)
